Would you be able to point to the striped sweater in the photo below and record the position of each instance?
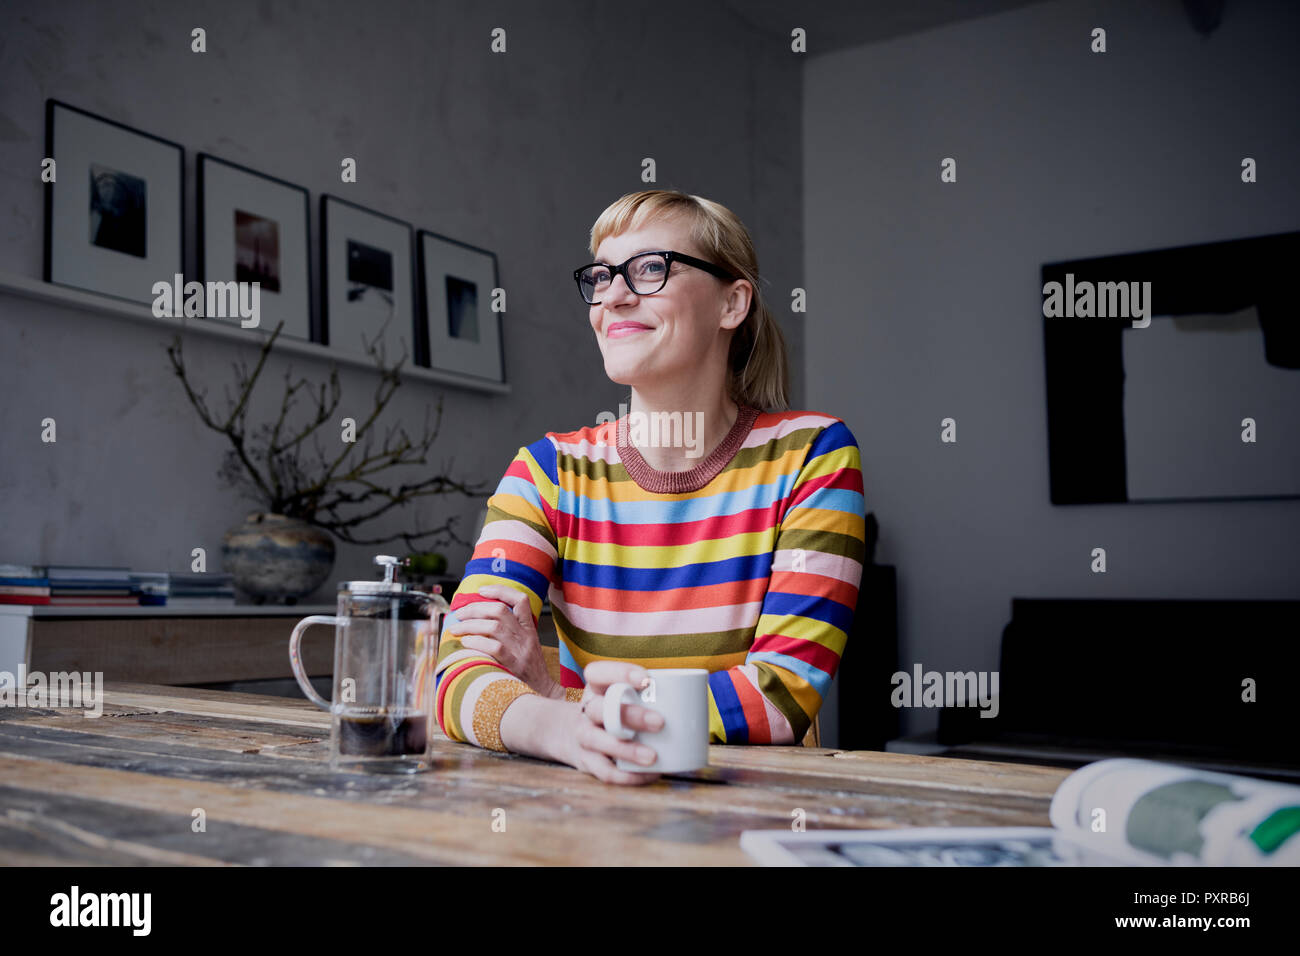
(747, 565)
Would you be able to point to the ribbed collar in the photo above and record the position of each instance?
(693, 479)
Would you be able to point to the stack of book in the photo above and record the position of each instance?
(184, 588)
(23, 584)
(112, 587)
(66, 585)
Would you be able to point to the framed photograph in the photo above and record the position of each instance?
(459, 332)
(254, 228)
(114, 213)
(368, 286)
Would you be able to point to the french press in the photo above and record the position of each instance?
(385, 649)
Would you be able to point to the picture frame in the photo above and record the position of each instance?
(367, 280)
(459, 332)
(253, 227)
(115, 210)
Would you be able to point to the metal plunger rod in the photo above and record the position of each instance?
(388, 646)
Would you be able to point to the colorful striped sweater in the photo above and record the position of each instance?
(747, 565)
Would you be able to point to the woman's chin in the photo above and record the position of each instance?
(621, 374)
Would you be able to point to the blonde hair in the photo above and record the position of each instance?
(757, 365)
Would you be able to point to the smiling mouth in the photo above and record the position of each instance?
(624, 330)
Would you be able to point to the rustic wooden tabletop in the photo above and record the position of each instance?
(171, 775)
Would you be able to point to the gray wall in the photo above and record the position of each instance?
(925, 300)
(508, 152)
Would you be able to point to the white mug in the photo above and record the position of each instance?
(680, 695)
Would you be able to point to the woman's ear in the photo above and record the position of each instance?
(736, 305)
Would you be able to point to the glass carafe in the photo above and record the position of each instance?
(385, 648)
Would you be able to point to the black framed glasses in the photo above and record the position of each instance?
(645, 273)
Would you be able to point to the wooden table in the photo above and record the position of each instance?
(123, 788)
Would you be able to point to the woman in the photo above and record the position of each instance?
(739, 551)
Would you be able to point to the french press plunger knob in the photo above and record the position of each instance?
(391, 564)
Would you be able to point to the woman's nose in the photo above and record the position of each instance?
(618, 290)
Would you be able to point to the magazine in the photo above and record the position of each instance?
(1121, 812)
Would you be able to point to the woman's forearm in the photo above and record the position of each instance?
(524, 725)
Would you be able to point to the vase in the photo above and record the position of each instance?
(276, 559)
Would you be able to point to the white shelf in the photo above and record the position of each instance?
(27, 287)
(145, 610)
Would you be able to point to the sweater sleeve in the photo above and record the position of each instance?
(808, 610)
(517, 549)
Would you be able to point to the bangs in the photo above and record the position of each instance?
(635, 210)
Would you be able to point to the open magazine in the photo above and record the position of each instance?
(1109, 813)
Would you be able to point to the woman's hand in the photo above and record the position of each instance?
(578, 735)
(505, 632)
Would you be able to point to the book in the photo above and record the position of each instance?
(129, 600)
(34, 582)
(201, 580)
(1119, 812)
(89, 591)
(64, 573)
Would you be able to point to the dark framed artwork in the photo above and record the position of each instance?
(254, 228)
(114, 214)
(1197, 400)
(459, 331)
(368, 287)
